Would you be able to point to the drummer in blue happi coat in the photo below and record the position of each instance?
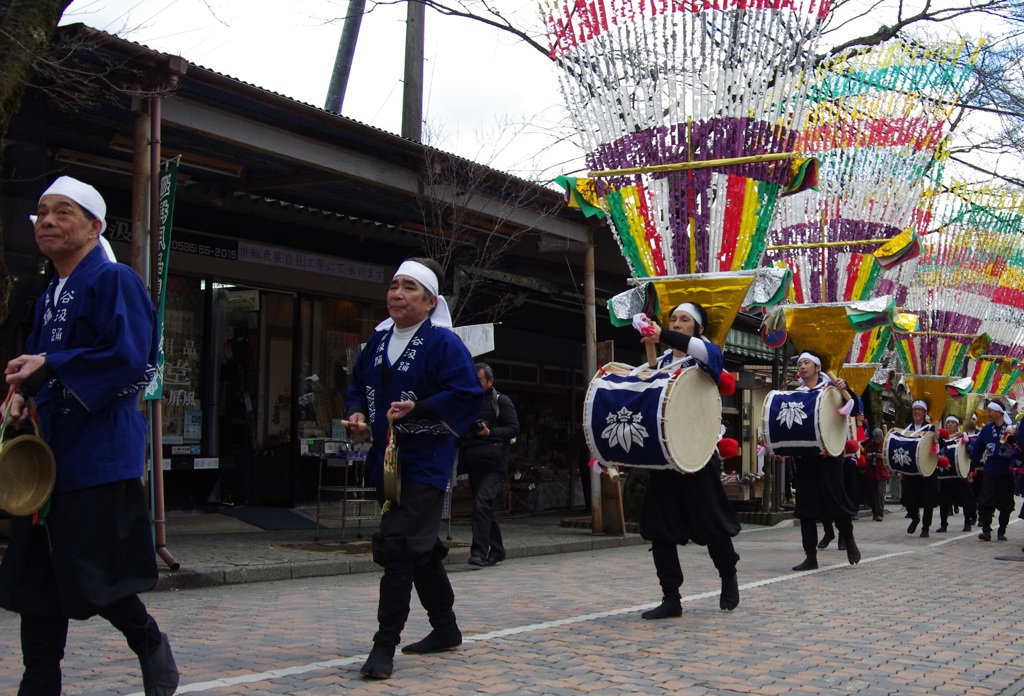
(920, 494)
(821, 489)
(682, 507)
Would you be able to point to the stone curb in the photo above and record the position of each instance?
(456, 562)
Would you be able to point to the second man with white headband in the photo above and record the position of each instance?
(416, 373)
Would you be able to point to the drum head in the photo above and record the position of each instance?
(927, 461)
(692, 419)
(27, 475)
(963, 460)
(831, 423)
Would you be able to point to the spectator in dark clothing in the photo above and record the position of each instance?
(484, 454)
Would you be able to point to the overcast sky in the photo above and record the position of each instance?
(475, 78)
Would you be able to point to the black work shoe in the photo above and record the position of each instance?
(941, 529)
(730, 597)
(478, 561)
(967, 526)
(438, 640)
(826, 540)
(159, 673)
(852, 552)
(495, 559)
(985, 536)
(808, 564)
(913, 525)
(1001, 536)
(380, 663)
(669, 608)
(924, 533)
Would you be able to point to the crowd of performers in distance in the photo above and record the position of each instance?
(682, 507)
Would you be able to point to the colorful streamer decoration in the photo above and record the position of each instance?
(656, 83)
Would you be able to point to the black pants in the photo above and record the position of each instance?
(956, 491)
(876, 495)
(486, 483)
(670, 572)
(43, 640)
(996, 494)
(409, 549)
(809, 532)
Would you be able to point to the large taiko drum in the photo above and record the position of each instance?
(959, 461)
(910, 455)
(804, 423)
(652, 419)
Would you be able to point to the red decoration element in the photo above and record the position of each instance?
(852, 446)
(943, 462)
(728, 448)
(726, 384)
(943, 433)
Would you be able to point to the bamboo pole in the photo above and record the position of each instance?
(701, 164)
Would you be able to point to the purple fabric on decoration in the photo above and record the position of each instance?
(689, 190)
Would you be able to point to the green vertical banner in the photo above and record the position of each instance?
(165, 208)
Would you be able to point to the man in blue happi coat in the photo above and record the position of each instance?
(415, 372)
(92, 348)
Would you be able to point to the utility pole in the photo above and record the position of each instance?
(412, 94)
(346, 51)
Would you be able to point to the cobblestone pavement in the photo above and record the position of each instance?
(918, 616)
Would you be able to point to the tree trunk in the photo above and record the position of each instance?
(26, 29)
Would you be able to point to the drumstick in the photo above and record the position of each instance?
(357, 426)
(652, 356)
(845, 391)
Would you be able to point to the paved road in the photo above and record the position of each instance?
(917, 616)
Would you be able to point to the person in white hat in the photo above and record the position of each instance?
(821, 481)
(416, 373)
(92, 349)
(954, 491)
(920, 494)
(996, 450)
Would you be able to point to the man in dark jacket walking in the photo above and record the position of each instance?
(484, 454)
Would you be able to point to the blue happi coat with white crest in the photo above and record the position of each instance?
(436, 367)
(99, 339)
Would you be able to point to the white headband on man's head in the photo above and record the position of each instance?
(995, 406)
(441, 316)
(920, 403)
(953, 418)
(690, 309)
(86, 196)
(808, 356)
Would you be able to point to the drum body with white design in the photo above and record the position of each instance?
(910, 454)
(652, 419)
(804, 423)
(959, 461)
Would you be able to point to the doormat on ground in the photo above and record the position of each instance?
(360, 547)
(271, 518)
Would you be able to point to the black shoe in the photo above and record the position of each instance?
(852, 552)
(924, 533)
(730, 597)
(967, 526)
(913, 525)
(438, 640)
(478, 561)
(842, 544)
(380, 663)
(159, 673)
(1001, 535)
(826, 540)
(495, 559)
(985, 536)
(942, 528)
(810, 563)
(668, 609)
